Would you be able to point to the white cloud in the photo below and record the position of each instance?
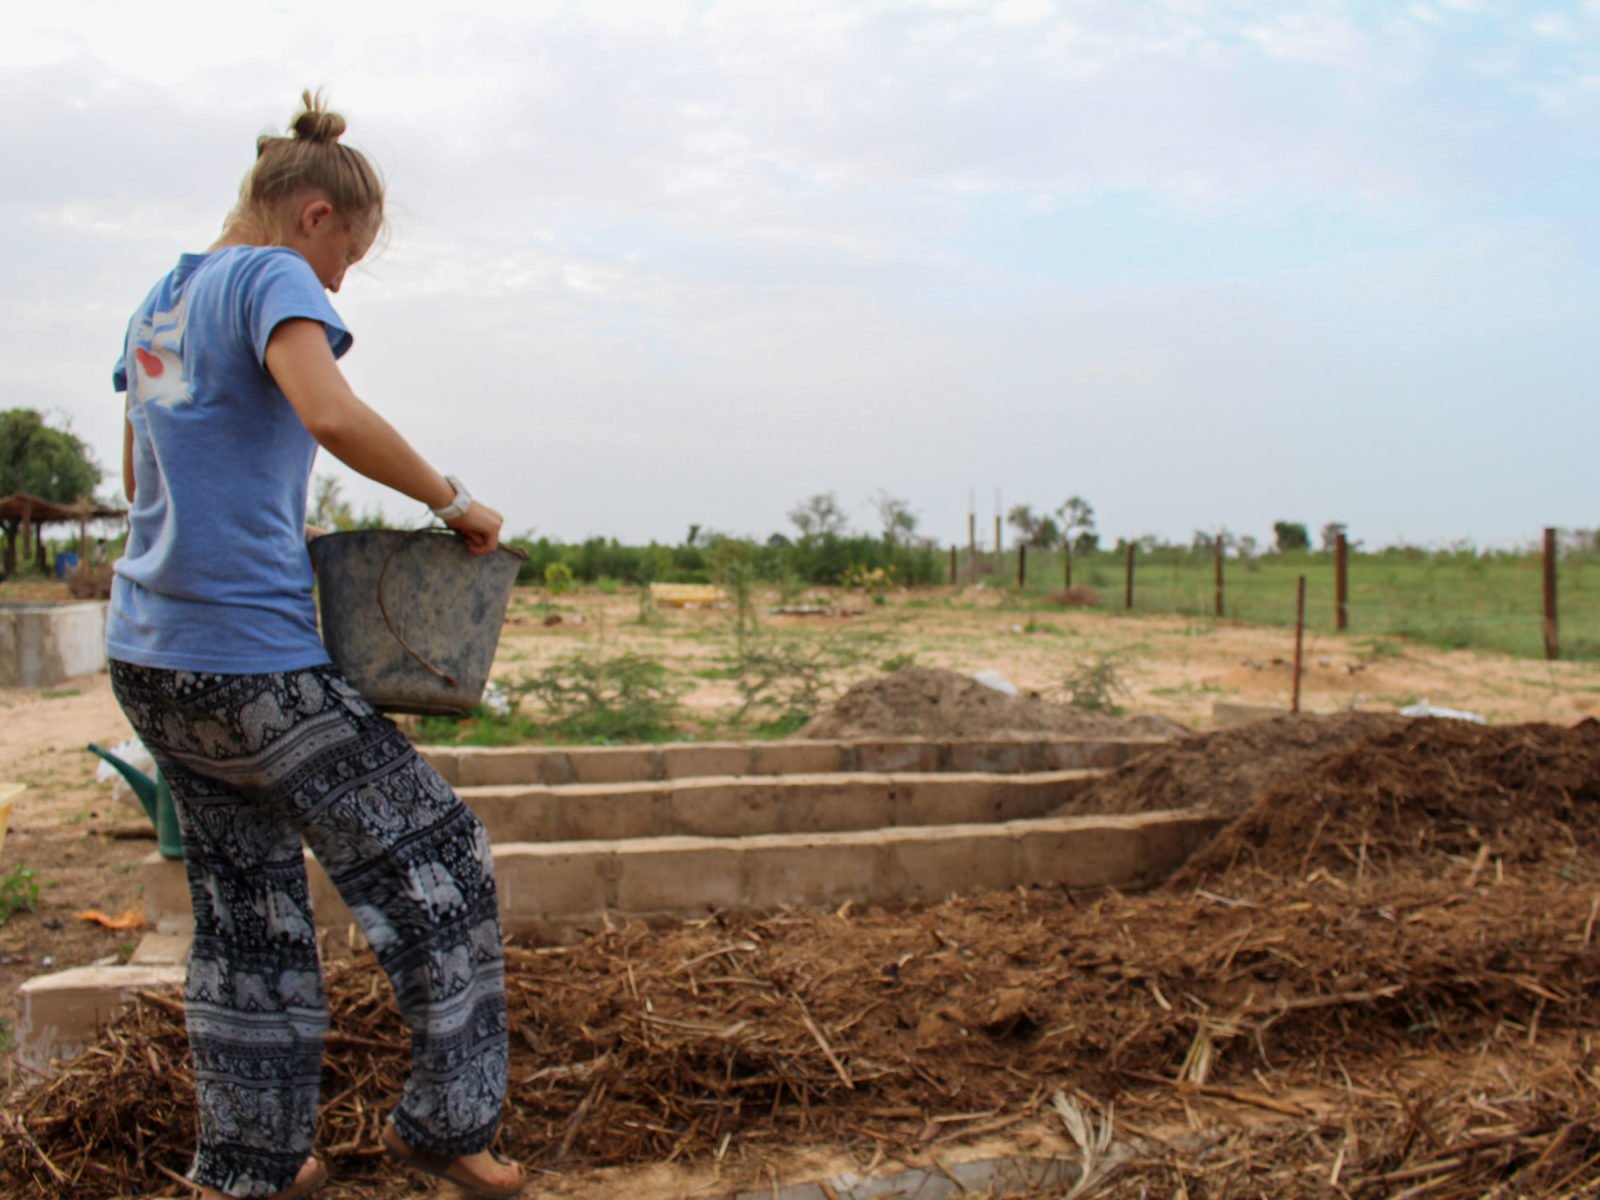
(1555, 26)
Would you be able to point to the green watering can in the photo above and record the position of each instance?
(156, 797)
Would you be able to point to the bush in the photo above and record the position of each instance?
(625, 698)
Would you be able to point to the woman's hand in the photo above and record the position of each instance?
(479, 527)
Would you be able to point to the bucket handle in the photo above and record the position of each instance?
(449, 679)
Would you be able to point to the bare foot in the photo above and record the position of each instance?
(308, 1171)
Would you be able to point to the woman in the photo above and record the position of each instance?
(232, 380)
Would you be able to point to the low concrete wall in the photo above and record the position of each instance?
(500, 766)
(43, 644)
(62, 1013)
(548, 888)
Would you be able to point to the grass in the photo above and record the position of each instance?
(1452, 600)
(18, 890)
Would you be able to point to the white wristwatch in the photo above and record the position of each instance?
(459, 504)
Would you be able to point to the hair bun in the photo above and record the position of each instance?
(314, 123)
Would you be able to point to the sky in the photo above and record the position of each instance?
(655, 263)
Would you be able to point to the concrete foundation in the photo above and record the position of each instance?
(41, 645)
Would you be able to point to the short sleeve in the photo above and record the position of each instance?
(285, 288)
(119, 376)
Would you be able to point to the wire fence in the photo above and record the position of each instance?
(1455, 601)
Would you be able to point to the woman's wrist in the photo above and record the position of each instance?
(458, 504)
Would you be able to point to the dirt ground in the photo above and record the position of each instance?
(1485, 881)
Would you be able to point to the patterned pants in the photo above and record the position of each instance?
(261, 765)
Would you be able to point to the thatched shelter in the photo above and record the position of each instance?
(27, 515)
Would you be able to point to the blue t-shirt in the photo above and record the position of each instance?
(216, 576)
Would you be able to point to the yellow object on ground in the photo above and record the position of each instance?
(686, 595)
(8, 793)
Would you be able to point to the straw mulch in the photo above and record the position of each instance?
(1383, 980)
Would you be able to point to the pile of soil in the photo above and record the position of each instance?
(1227, 770)
(933, 703)
(1427, 790)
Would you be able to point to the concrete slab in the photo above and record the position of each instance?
(42, 645)
(163, 948)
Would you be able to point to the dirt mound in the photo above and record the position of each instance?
(933, 703)
(1427, 789)
(1226, 770)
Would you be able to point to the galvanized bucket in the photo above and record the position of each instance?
(412, 619)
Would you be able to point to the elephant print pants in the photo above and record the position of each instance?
(260, 766)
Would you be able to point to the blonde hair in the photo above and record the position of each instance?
(309, 158)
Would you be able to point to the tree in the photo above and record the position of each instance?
(1330, 536)
(1076, 517)
(898, 521)
(1290, 535)
(818, 517)
(52, 464)
(1033, 529)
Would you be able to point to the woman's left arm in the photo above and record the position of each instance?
(127, 459)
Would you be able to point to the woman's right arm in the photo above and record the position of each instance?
(303, 366)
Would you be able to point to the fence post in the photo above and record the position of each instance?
(1066, 565)
(1127, 598)
(1022, 565)
(1341, 584)
(999, 554)
(1299, 641)
(1552, 640)
(972, 546)
(952, 566)
(1219, 575)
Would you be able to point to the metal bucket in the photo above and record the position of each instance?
(412, 619)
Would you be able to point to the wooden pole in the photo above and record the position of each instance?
(1552, 639)
(999, 549)
(952, 566)
(1022, 565)
(1127, 598)
(1066, 565)
(1219, 574)
(972, 546)
(1299, 641)
(1341, 584)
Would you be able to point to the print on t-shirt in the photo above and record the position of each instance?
(158, 353)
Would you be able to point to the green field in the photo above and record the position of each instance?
(1483, 601)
